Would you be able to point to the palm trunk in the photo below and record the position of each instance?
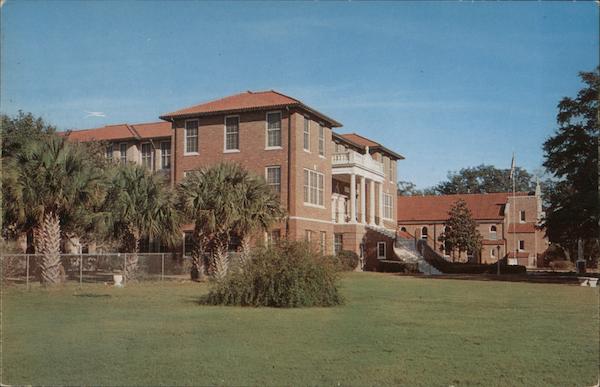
(47, 242)
(131, 259)
(197, 270)
(220, 260)
(245, 253)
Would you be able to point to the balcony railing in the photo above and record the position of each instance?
(352, 158)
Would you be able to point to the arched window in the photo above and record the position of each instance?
(493, 232)
(492, 253)
(424, 233)
(403, 229)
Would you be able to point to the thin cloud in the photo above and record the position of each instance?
(94, 114)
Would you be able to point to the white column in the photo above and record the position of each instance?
(371, 202)
(363, 200)
(353, 198)
(380, 201)
(342, 209)
(334, 208)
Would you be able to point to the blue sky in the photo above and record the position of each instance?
(447, 84)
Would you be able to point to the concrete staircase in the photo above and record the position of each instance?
(406, 251)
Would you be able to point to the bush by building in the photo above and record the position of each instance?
(288, 275)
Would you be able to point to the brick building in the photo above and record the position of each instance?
(338, 189)
(506, 223)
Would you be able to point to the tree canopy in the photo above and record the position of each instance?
(461, 234)
(571, 156)
(485, 179)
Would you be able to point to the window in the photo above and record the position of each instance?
(165, 155)
(306, 134)
(424, 233)
(188, 244)
(391, 171)
(191, 136)
(274, 178)
(109, 151)
(321, 140)
(123, 152)
(307, 235)
(338, 243)
(493, 232)
(403, 229)
(273, 129)
(273, 237)
(147, 155)
(388, 206)
(380, 250)
(522, 216)
(323, 242)
(492, 253)
(232, 133)
(521, 245)
(313, 187)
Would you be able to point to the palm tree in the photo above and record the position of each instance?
(221, 201)
(56, 183)
(260, 208)
(140, 205)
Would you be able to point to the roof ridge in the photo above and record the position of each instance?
(285, 95)
(365, 138)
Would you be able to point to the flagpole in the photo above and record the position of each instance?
(514, 218)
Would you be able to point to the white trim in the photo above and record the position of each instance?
(310, 219)
(309, 204)
(321, 127)
(306, 119)
(384, 250)
(267, 176)
(161, 155)
(185, 152)
(313, 205)
(225, 150)
(126, 149)
(267, 147)
(151, 154)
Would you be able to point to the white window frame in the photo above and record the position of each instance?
(151, 154)
(306, 135)
(522, 217)
(110, 155)
(389, 207)
(185, 252)
(493, 234)
(335, 244)
(267, 177)
(319, 192)
(267, 147)
(233, 150)
(321, 140)
(392, 171)
(379, 256)
(308, 236)
(185, 138)
(121, 153)
(162, 166)
(323, 241)
(492, 253)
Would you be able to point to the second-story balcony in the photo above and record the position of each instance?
(355, 159)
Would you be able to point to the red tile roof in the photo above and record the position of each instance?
(122, 132)
(363, 142)
(405, 235)
(250, 100)
(522, 228)
(488, 206)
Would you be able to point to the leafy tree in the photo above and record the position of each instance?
(461, 234)
(408, 188)
(21, 130)
(571, 155)
(223, 201)
(54, 189)
(140, 205)
(485, 179)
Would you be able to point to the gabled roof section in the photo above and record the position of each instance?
(122, 132)
(362, 142)
(248, 101)
(489, 206)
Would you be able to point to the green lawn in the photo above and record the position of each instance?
(392, 330)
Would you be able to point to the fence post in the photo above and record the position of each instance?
(80, 271)
(162, 275)
(27, 271)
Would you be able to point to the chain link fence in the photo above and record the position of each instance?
(105, 268)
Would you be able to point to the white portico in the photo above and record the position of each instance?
(358, 188)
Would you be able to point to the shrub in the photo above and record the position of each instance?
(562, 265)
(288, 275)
(348, 260)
